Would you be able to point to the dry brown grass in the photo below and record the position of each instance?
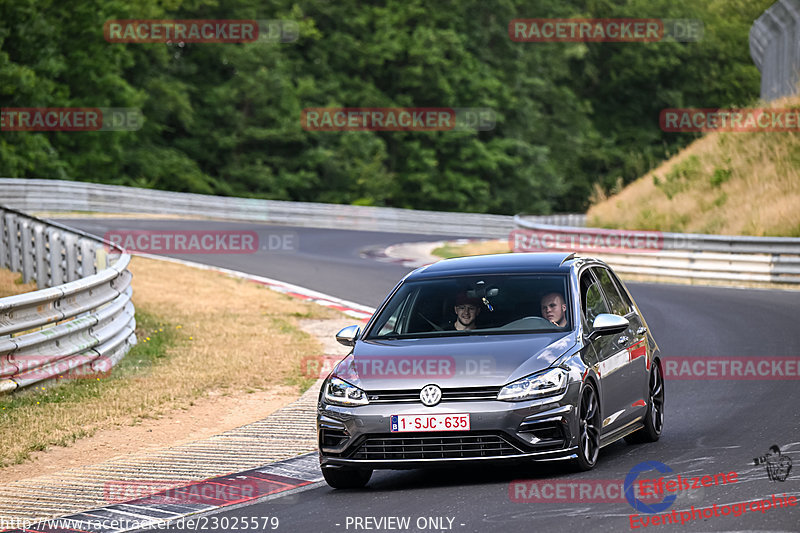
(11, 284)
(240, 334)
(454, 249)
(723, 183)
(225, 336)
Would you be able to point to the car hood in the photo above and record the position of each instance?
(452, 362)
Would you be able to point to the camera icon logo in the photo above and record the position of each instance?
(778, 465)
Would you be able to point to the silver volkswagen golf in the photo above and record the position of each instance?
(492, 358)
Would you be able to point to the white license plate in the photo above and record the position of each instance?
(449, 422)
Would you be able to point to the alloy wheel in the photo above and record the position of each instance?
(657, 399)
(590, 433)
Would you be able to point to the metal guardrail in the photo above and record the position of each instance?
(675, 255)
(81, 321)
(775, 49)
(59, 195)
(693, 256)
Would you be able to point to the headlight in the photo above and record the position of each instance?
(340, 392)
(549, 383)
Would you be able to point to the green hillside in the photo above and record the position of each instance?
(226, 118)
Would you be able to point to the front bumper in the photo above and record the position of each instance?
(544, 429)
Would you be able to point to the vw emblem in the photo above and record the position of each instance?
(430, 395)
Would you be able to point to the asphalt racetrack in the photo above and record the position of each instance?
(711, 426)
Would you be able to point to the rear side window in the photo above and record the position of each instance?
(592, 302)
(623, 293)
(616, 302)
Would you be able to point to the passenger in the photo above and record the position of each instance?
(467, 310)
(554, 309)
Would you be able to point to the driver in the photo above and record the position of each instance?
(554, 309)
(467, 310)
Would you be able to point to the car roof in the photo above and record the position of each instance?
(512, 263)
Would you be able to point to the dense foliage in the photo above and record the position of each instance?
(225, 118)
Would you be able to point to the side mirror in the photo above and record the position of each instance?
(608, 324)
(348, 335)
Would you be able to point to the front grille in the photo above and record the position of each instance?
(412, 395)
(434, 447)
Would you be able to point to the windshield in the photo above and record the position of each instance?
(484, 305)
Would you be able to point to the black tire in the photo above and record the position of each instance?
(654, 419)
(589, 429)
(346, 478)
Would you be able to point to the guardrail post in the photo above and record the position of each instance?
(87, 257)
(71, 253)
(26, 251)
(57, 263)
(12, 223)
(40, 254)
(5, 260)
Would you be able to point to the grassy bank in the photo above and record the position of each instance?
(723, 183)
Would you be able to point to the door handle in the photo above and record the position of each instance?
(622, 340)
(641, 331)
